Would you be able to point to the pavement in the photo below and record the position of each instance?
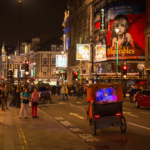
(44, 133)
(63, 125)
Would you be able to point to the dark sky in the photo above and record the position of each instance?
(37, 17)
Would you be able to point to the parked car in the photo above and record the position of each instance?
(142, 98)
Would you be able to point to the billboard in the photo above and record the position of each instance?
(130, 19)
(83, 52)
(100, 52)
(61, 61)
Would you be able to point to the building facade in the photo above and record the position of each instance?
(147, 50)
(94, 22)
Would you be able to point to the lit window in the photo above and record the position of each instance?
(53, 47)
(57, 48)
(53, 61)
(44, 61)
(3, 58)
(44, 74)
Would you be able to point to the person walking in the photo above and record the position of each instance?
(62, 91)
(3, 95)
(8, 91)
(80, 92)
(130, 92)
(34, 103)
(25, 96)
(66, 92)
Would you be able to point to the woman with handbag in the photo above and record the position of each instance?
(25, 96)
(34, 103)
(3, 95)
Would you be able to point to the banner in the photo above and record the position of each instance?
(16, 59)
(61, 61)
(100, 52)
(130, 19)
(83, 52)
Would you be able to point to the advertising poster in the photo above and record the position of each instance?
(83, 52)
(100, 52)
(130, 19)
(61, 61)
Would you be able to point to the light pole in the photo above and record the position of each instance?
(117, 30)
(62, 65)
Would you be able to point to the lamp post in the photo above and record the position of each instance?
(62, 65)
(117, 30)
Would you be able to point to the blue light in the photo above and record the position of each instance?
(65, 30)
(68, 28)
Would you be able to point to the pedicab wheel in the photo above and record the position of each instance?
(93, 126)
(123, 124)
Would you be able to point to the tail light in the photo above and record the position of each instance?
(97, 116)
(118, 114)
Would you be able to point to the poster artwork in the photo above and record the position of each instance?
(83, 52)
(100, 52)
(130, 19)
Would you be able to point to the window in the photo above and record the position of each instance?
(44, 61)
(44, 74)
(53, 61)
(57, 48)
(3, 58)
(61, 47)
(53, 47)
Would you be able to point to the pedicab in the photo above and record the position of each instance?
(105, 109)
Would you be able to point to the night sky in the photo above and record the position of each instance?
(37, 17)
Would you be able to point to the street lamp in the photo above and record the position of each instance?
(117, 30)
(62, 65)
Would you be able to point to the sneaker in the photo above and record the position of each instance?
(36, 117)
(20, 118)
(7, 108)
(33, 117)
(3, 110)
(25, 117)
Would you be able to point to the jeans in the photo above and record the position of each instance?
(24, 108)
(62, 94)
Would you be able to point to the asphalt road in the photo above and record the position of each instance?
(72, 115)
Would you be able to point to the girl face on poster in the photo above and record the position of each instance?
(124, 38)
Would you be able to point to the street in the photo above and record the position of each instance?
(72, 115)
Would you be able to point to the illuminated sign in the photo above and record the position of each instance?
(130, 19)
(100, 52)
(66, 15)
(97, 25)
(61, 61)
(83, 52)
(102, 20)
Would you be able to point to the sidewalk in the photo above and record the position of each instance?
(44, 133)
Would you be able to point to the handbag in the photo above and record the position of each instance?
(25, 101)
(34, 103)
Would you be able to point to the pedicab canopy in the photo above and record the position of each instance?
(103, 93)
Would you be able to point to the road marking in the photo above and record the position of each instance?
(58, 118)
(138, 126)
(126, 108)
(79, 102)
(130, 114)
(145, 113)
(75, 129)
(88, 137)
(73, 114)
(66, 123)
(62, 103)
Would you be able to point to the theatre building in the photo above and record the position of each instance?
(112, 34)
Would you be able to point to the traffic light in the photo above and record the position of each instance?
(124, 72)
(10, 74)
(27, 66)
(33, 79)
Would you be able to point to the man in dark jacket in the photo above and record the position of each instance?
(80, 92)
